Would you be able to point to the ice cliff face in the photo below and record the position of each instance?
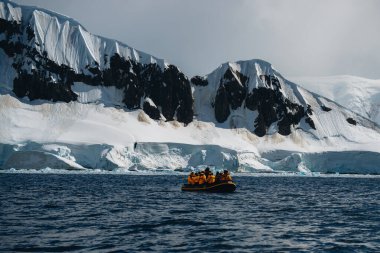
(44, 54)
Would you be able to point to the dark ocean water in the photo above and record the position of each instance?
(87, 212)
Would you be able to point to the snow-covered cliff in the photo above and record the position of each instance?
(71, 99)
(253, 95)
(45, 53)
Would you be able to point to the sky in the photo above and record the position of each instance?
(299, 37)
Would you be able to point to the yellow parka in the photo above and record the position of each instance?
(211, 179)
(225, 177)
(202, 179)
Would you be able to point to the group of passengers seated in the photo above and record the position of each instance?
(207, 177)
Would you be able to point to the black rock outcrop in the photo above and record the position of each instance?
(199, 81)
(325, 108)
(152, 111)
(351, 121)
(230, 95)
(169, 89)
(272, 106)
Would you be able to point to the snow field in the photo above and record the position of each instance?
(78, 136)
(358, 94)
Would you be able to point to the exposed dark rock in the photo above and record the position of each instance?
(325, 108)
(9, 28)
(269, 101)
(272, 106)
(180, 97)
(309, 111)
(169, 89)
(260, 128)
(233, 75)
(11, 44)
(310, 122)
(236, 88)
(231, 94)
(290, 119)
(251, 101)
(271, 81)
(221, 105)
(265, 101)
(152, 111)
(11, 48)
(351, 121)
(30, 33)
(38, 86)
(199, 81)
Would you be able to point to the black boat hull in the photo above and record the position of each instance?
(217, 187)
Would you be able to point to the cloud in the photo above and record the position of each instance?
(315, 37)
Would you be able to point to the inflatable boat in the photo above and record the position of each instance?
(228, 186)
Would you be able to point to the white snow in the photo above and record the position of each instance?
(358, 94)
(96, 136)
(98, 94)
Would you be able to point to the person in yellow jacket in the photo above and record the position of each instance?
(226, 176)
(211, 178)
(202, 178)
(196, 178)
(190, 178)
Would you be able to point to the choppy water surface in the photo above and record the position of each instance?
(149, 213)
